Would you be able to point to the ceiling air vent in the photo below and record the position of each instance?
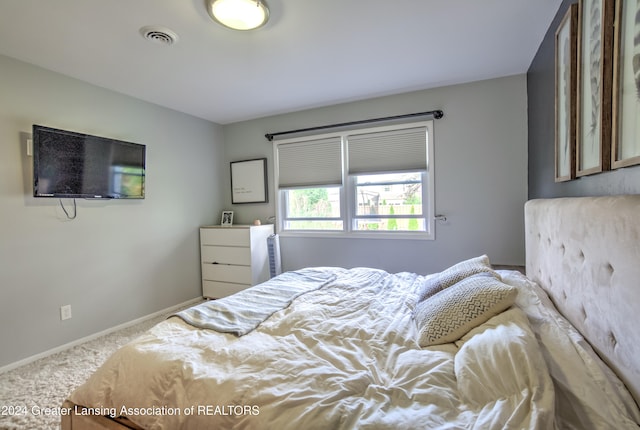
(160, 35)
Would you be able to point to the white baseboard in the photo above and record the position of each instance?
(77, 342)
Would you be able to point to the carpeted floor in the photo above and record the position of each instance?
(27, 392)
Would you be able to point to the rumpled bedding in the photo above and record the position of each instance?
(588, 394)
(345, 356)
(242, 312)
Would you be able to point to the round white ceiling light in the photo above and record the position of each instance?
(239, 14)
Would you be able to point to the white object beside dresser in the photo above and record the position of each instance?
(233, 258)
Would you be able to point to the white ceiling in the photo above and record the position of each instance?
(310, 53)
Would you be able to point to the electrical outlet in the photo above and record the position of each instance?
(65, 312)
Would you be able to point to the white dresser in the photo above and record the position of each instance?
(233, 258)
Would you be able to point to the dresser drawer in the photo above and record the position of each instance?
(227, 236)
(217, 290)
(226, 273)
(226, 255)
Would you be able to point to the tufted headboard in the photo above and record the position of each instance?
(585, 252)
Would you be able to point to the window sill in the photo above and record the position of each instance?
(358, 235)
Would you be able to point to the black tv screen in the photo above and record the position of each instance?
(67, 164)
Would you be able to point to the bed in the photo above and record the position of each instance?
(469, 347)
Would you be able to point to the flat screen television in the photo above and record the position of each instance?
(67, 164)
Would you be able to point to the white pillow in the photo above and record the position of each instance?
(450, 314)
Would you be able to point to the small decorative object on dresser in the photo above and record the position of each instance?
(233, 258)
(227, 218)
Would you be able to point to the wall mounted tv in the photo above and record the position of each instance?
(67, 164)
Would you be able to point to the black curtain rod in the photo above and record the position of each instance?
(437, 114)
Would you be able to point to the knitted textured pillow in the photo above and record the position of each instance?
(451, 313)
(455, 274)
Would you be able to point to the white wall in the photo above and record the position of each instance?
(481, 177)
(118, 260)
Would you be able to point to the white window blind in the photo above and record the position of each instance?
(388, 151)
(309, 163)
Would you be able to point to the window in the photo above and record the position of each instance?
(389, 202)
(313, 209)
(374, 182)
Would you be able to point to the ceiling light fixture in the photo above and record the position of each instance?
(239, 14)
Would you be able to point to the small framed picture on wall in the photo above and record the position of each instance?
(566, 78)
(249, 181)
(625, 144)
(227, 219)
(595, 78)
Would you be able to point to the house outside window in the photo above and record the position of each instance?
(374, 182)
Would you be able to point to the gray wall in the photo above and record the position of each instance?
(118, 260)
(541, 99)
(480, 185)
